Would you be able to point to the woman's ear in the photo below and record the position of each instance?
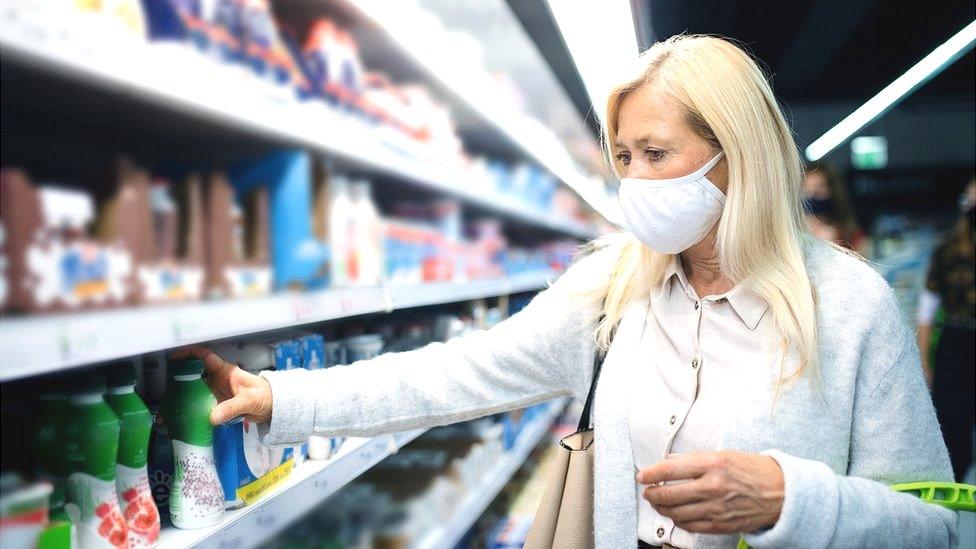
(719, 175)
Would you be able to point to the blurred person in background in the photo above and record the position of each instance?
(757, 381)
(829, 209)
(951, 285)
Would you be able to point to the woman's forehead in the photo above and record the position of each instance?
(649, 115)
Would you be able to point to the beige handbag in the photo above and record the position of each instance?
(565, 515)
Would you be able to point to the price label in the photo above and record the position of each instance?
(230, 541)
(79, 340)
(266, 518)
(322, 305)
(186, 329)
(363, 301)
(320, 483)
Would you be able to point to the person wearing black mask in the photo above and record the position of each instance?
(951, 285)
(828, 207)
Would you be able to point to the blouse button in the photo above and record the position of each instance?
(672, 420)
(660, 532)
(696, 305)
(694, 363)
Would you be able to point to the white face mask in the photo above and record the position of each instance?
(671, 215)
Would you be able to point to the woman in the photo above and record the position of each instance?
(778, 406)
(828, 206)
(951, 285)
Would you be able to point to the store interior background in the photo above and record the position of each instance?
(513, 183)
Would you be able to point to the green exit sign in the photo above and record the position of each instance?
(869, 152)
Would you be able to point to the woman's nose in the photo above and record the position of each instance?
(638, 169)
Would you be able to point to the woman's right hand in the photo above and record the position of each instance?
(239, 393)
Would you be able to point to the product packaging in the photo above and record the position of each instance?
(162, 230)
(247, 468)
(131, 474)
(238, 256)
(24, 516)
(196, 497)
(91, 447)
(53, 262)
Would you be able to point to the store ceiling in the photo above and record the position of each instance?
(827, 50)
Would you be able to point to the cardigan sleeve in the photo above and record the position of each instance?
(543, 352)
(895, 438)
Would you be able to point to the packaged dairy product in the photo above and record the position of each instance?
(196, 497)
(131, 474)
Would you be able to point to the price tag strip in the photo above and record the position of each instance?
(309, 484)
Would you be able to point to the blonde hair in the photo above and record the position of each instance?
(729, 103)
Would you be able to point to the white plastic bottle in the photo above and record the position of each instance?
(368, 239)
(341, 225)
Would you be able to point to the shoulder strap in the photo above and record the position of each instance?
(586, 420)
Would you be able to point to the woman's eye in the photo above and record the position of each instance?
(623, 158)
(655, 154)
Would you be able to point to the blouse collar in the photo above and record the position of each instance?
(747, 304)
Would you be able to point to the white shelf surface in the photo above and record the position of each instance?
(175, 77)
(307, 486)
(469, 82)
(32, 346)
(475, 503)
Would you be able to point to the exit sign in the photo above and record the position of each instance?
(869, 152)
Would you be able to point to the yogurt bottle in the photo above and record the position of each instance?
(48, 439)
(196, 497)
(131, 476)
(91, 446)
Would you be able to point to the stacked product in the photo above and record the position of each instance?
(310, 67)
(149, 242)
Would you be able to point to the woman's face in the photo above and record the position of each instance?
(815, 186)
(655, 142)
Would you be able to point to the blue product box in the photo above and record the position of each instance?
(313, 351)
(287, 354)
(247, 468)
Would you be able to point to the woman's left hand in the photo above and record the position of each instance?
(718, 492)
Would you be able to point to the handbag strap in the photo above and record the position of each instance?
(586, 420)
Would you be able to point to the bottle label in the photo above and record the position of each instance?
(196, 497)
(138, 507)
(95, 510)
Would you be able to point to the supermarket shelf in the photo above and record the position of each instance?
(174, 77)
(37, 345)
(472, 507)
(462, 79)
(309, 484)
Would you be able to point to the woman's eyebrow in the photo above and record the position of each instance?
(644, 140)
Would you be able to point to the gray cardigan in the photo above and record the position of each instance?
(864, 422)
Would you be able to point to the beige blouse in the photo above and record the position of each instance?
(697, 357)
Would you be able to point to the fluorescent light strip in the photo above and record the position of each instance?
(601, 40)
(923, 71)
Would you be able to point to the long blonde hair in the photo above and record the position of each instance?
(761, 234)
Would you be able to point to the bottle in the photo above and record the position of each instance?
(341, 232)
(48, 438)
(131, 476)
(160, 464)
(91, 446)
(196, 497)
(367, 238)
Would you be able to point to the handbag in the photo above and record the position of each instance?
(565, 515)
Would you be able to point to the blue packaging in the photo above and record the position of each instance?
(313, 351)
(247, 468)
(287, 354)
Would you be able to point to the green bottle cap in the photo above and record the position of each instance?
(89, 384)
(187, 367)
(120, 374)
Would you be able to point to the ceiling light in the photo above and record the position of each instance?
(923, 71)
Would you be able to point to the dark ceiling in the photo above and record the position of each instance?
(827, 50)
